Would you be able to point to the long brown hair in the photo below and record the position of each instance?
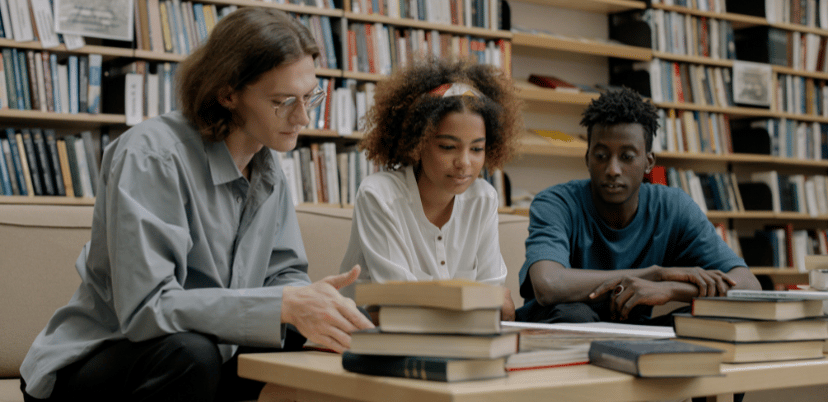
(242, 46)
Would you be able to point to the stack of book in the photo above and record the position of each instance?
(433, 330)
(751, 329)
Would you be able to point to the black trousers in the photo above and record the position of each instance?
(179, 367)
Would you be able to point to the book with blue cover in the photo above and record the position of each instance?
(424, 368)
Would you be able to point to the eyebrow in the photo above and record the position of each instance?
(453, 138)
(312, 90)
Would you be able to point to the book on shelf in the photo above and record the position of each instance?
(454, 294)
(443, 369)
(376, 342)
(747, 352)
(552, 82)
(748, 330)
(756, 308)
(412, 319)
(5, 177)
(656, 357)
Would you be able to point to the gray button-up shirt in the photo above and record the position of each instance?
(181, 241)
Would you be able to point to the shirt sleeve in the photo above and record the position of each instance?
(383, 244)
(148, 240)
(698, 244)
(549, 235)
(491, 268)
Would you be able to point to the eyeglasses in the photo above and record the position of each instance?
(289, 105)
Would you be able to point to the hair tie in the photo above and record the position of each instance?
(455, 89)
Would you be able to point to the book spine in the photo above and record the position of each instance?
(65, 171)
(74, 95)
(602, 356)
(54, 161)
(94, 92)
(31, 160)
(5, 177)
(74, 171)
(34, 84)
(43, 162)
(83, 84)
(396, 366)
(22, 73)
(24, 165)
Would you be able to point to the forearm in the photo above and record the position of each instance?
(744, 279)
(555, 284)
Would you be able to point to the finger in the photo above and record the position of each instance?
(331, 343)
(351, 313)
(619, 303)
(603, 288)
(701, 283)
(343, 279)
(631, 302)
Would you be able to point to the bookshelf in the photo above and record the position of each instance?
(538, 50)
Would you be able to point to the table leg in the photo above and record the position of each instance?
(278, 393)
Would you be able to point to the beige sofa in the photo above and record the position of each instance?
(41, 243)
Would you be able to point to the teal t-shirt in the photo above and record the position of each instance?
(668, 230)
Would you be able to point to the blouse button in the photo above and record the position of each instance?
(442, 263)
(239, 199)
(439, 237)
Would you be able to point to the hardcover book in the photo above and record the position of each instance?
(438, 320)
(747, 352)
(746, 330)
(755, 308)
(424, 368)
(656, 357)
(454, 294)
(375, 342)
(548, 81)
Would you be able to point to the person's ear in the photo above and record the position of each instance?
(651, 160)
(228, 98)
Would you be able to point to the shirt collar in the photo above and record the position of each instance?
(222, 167)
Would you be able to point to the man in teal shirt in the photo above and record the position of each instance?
(609, 248)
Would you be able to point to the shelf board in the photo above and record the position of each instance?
(799, 28)
(744, 159)
(46, 200)
(732, 111)
(61, 119)
(533, 93)
(330, 134)
(159, 56)
(532, 41)
(593, 6)
(107, 51)
(364, 76)
(293, 8)
(328, 72)
(782, 275)
(792, 71)
(412, 23)
(693, 59)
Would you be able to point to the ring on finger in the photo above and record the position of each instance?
(618, 289)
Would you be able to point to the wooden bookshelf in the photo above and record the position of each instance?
(108, 52)
(291, 8)
(60, 120)
(531, 42)
(534, 93)
(46, 200)
(738, 20)
(593, 6)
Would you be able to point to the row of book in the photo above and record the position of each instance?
(36, 162)
(784, 138)
(692, 131)
(469, 13)
(689, 35)
(680, 82)
(711, 191)
(40, 80)
(782, 246)
(382, 49)
(801, 95)
(716, 6)
(799, 50)
(139, 89)
(175, 26)
(795, 192)
(33, 20)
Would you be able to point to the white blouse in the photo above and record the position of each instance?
(391, 238)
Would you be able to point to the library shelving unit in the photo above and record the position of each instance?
(743, 164)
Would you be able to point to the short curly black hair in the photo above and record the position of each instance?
(404, 117)
(622, 106)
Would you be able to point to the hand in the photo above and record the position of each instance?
(709, 282)
(507, 312)
(630, 291)
(322, 314)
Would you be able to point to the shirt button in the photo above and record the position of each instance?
(442, 263)
(239, 199)
(439, 237)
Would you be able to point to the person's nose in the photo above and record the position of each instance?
(299, 116)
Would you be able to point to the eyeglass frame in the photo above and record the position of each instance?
(291, 103)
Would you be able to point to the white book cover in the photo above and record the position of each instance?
(297, 176)
(328, 150)
(83, 169)
(811, 197)
(819, 190)
(287, 168)
(779, 294)
(8, 31)
(74, 94)
(134, 102)
(696, 190)
(45, 22)
(344, 111)
(73, 41)
(63, 83)
(21, 20)
(168, 88)
(152, 88)
(342, 171)
(4, 96)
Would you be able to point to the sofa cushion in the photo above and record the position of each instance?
(40, 245)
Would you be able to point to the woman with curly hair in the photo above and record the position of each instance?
(435, 125)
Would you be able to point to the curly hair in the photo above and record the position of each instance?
(622, 106)
(402, 120)
(243, 45)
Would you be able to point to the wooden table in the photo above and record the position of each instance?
(319, 376)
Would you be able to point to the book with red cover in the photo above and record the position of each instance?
(548, 81)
